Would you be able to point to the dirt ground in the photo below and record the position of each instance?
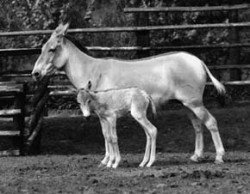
(73, 147)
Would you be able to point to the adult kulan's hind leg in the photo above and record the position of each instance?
(210, 122)
(199, 143)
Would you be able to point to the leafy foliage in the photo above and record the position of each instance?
(41, 14)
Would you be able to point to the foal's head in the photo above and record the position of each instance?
(84, 99)
(53, 55)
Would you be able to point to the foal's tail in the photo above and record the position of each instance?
(152, 104)
(219, 86)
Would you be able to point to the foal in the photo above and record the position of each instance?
(112, 104)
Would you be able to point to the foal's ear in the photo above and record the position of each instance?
(89, 85)
(74, 91)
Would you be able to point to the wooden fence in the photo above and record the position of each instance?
(143, 33)
(42, 93)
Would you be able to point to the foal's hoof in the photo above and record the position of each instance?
(218, 161)
(109, 165)
(141, 165)
(101, 165)
(196, 158)
(114, 166)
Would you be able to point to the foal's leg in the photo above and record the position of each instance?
(104, 126)
(116, 149)
(210, 122)
(199, 143)
(114, 140)
(114, 156)
(147, 149)
(151, 133)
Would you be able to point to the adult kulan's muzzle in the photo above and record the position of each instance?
(36, 75)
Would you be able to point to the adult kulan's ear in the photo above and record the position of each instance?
(65, 29)
(61, 30)
(89, 85)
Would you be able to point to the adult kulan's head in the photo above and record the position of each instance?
(53, 56)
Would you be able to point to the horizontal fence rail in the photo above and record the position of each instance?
(130, 29)
(187, 9)
(22, 51)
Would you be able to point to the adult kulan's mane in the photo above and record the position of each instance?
(115, 89)
(77, 44)
(107, 90)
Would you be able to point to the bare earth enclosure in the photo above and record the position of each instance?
(73, 147)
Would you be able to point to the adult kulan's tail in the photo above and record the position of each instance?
(219, 86)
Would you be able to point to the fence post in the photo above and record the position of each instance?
(19, 120)
(234, 53)
(36, 118)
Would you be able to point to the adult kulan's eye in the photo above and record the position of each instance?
(52, 50)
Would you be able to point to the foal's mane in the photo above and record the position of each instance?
(77, 43)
